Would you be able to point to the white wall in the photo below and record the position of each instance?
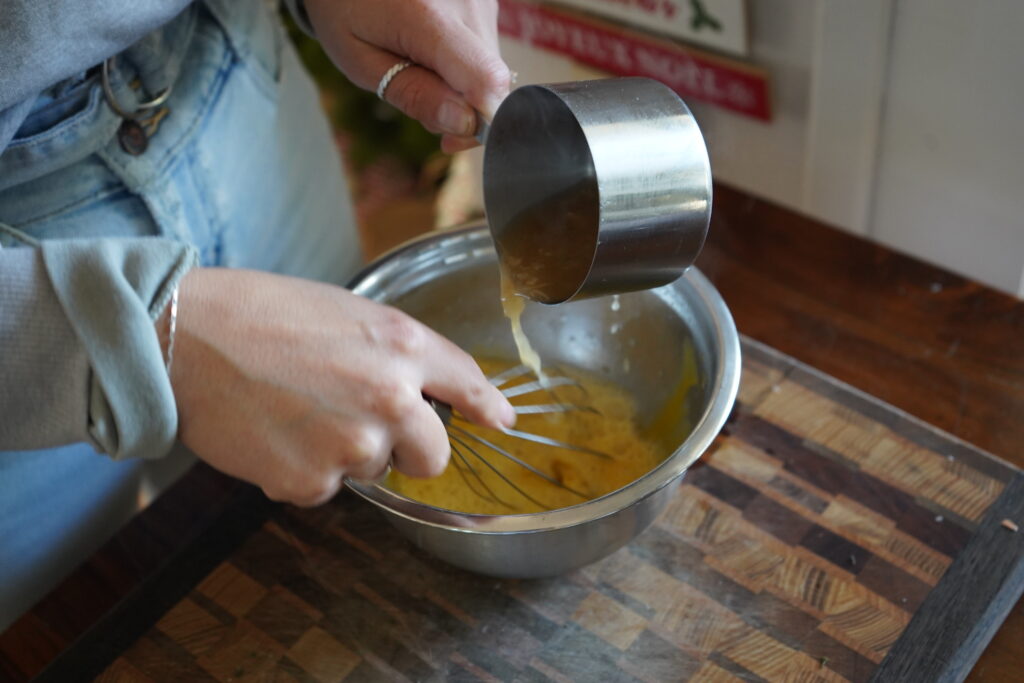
(950, 179)
(768, 158)
(896, 119)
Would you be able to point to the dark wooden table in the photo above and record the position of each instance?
(943, 348)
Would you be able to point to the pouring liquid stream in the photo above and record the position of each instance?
(513, 305)
(536, 262)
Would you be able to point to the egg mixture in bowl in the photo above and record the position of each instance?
(599, 419)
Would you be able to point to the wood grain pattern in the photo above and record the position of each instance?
(943, 348)
(769, 564)
(138, 551)
(970, 602)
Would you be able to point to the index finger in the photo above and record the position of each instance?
(473, 68)
(467, 59)
(452, 376)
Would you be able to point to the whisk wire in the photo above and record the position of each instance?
(541, 408)
(498, 472)
(547, 441)
(490, 495)
(507, 375)
(538, 385)
(463, 451)
(522, 463)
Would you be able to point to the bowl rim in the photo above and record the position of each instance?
(724, 388)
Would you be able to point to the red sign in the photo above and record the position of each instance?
(693, 74)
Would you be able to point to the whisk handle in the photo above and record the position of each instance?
(443, 410)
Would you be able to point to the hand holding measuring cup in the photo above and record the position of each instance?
(446, 51)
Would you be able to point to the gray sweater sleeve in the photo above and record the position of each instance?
(36, 337)
(80, 357)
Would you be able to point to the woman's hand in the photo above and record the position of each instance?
(452, 43)
(291, 384)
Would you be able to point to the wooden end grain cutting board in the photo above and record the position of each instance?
(826, 537)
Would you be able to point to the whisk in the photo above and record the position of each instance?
(470, 451)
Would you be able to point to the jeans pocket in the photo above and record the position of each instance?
(52, 113)
(256, 36)
(117, 212)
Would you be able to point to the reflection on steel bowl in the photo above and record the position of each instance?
(449, 281)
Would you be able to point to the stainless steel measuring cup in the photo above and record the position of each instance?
(595, 187)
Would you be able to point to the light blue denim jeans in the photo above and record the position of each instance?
(243, 166)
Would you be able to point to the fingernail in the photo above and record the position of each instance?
(508, 414)
(456, 118)
(490, 107)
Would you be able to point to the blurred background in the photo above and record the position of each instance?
(897, 120)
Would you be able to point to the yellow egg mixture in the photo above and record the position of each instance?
(610, 429)
(481, 480)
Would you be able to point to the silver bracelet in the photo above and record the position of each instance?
(172, 323)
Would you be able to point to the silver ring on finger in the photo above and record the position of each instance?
(385, 80)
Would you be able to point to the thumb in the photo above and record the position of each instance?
(422, 94)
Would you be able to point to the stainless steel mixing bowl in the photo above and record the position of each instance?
(450, 282)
